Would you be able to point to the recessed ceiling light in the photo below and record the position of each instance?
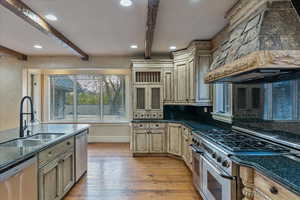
(134, 46)
(37, 46)
(51, 17)
(172, 47)
(126, 3)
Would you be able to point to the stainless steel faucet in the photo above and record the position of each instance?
(23, 124)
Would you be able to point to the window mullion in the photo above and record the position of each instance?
(101, 98)
(75, 115)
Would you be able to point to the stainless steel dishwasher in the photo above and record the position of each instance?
(20, 182)
(81, 154)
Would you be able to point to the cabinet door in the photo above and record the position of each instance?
(168, 86)
(181, 82)
(140, 144)
(174, 139)
(155, 98)
(81, 155)
(157, 141)
(185, 148)
(191, 78)
(203, 91)
(140, 98)
(49, 181)
(67, 171)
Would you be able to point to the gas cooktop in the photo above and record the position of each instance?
(240, 142)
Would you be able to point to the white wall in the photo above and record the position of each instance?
(10, 91)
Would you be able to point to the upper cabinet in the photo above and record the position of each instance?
(190, 67)
(148, 88)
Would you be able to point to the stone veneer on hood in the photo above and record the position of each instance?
(270, 30)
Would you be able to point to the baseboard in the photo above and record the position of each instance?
(94, 139)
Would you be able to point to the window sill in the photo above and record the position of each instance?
(102, 123)
(223, 117)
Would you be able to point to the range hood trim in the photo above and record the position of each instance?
(259, 60)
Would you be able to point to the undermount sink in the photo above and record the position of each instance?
(23, 143)
(46, 136)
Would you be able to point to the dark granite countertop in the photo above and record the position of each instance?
(10, 155)
(281, 169)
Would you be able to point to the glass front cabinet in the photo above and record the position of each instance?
(148, 102)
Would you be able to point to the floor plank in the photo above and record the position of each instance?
(113, 174)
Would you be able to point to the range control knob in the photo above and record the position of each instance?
(219, 159)
(214, 155)
(225, 163)
(198, 144)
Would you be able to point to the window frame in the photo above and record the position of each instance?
(47, 96)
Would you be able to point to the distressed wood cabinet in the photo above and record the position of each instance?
(169, 85)
(148, 138)
(190, 67)
(186, 148)
(49, 179)
(259, 187)
(56, 170)
(148, 88)
(174, 139)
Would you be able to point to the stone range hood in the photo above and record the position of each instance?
(262, 45)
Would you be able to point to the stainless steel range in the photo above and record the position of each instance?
(215, 176)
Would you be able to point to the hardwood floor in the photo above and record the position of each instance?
(113, 174)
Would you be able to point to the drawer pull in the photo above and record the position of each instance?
(68, 143)
(50, 153)
(273, 190)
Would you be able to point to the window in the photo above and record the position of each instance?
(87, 98)
(282, 100)
(222, 98)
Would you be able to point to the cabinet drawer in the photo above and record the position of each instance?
(140, 126)
(157, 125)
(273, 190)
(54, 151)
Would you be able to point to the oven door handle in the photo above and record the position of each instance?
(194, 149)
(228, 177)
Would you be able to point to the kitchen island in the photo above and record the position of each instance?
(59, 152)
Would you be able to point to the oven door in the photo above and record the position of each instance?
(217, 185)
(197, 169)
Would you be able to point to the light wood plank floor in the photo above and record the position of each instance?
(113, 174)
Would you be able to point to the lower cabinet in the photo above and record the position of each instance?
(49, 182)
(186, 148)
(56, 170)
(67, 171)
(174, 139)
(148, 141)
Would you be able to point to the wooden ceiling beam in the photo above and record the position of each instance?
(7, 51)
(153, 6)
(27, 14)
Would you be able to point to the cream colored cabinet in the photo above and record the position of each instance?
(258, 187)
(67, 171)
(169, 85)
(49, 179)
(148, 138)
(141, 141)
(174, 139)
(148, 102)
(186, 148)
(56, 170)
(81, 161)
(157, 141)
(190, 67)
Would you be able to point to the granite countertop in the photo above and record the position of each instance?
(282, 169)
(10, 155)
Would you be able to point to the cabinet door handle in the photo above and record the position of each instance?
(68, 143)
(273, 190)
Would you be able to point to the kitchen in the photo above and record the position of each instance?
(198, 105)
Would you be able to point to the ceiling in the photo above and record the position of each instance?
(103, 27)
